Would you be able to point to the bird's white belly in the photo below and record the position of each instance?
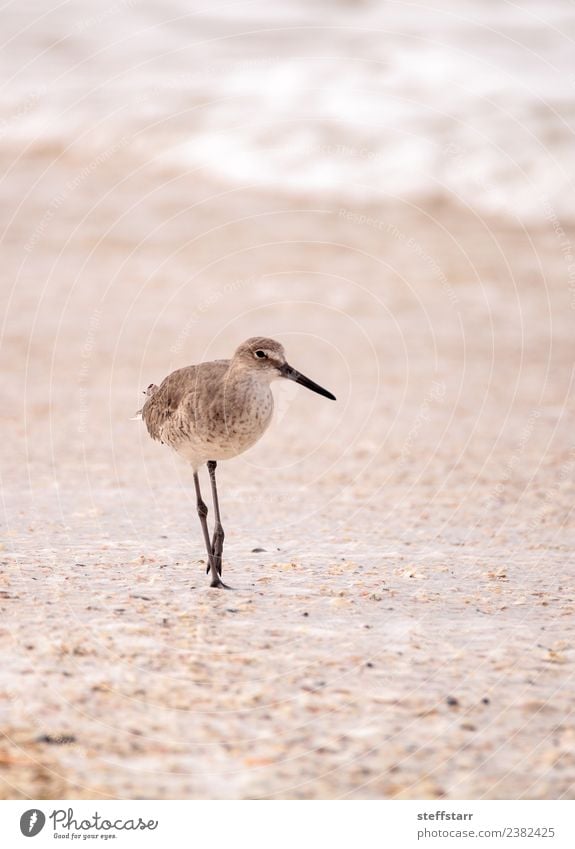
(198, 451)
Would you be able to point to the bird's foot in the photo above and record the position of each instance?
(219, 584)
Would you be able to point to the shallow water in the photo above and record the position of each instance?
(356, 101)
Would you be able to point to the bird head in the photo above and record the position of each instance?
(266, 358)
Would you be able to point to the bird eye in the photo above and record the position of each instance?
(260, 354)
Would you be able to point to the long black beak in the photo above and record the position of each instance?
(292, 374)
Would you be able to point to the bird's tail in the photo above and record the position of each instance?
(151, 390)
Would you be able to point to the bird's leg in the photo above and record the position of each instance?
(218, 537)
(202, 513)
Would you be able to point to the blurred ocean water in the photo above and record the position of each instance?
(356, 101)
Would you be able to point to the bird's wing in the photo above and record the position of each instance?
(163, 410)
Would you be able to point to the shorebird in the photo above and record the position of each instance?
(216, 410)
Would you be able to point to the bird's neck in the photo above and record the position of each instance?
(247, 385)
(240, 374)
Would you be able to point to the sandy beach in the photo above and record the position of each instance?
(402, 623)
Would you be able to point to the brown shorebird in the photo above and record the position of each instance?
(217, 410)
